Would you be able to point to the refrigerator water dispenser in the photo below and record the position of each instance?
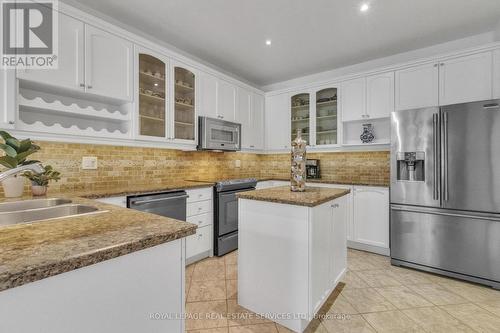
(411, 166)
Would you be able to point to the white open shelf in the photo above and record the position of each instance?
(352, 131)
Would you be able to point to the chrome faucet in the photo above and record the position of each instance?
(35, 167)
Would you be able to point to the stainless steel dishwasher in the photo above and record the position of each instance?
(170, 204)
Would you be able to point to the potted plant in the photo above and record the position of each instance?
(40, 181)
(16, 153)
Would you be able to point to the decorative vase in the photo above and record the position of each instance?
(13, 187)
(367, 136)
(38, 190)
(298, 171)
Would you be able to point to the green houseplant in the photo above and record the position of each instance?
(16, 153)
(40, 182)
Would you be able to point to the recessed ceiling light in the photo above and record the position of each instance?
(268, 42)
(364, 7)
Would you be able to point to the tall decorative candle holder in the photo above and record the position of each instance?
(298, 170)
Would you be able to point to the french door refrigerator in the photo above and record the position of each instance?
(445, 190)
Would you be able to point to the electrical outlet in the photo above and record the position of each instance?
(89, 163)
(237, 163)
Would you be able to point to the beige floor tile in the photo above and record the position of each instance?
(211, 330)
(410, 276)
(341, 307)
(436, 320)
(347, 324)
(238, 315)
(209, 269)
(402, 297)
(259, 328)
(203, 315)
(437, 294)
(232, 289)
(231, 258)
(353, 281)
(316, 326)
(207, 291)
(231, 272)
(361, 263)
(189, 271)
(392, 321)
(367, 300)
(491, 306)
(472, 315)
(379, 278)
(283, 329)
(472, 292)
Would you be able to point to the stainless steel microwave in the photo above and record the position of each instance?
(216, 134)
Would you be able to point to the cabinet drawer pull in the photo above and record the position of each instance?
(11, 122)
(82, 85)
(89, 87)
(335, 206)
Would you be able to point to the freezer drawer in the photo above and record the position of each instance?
(448, 240)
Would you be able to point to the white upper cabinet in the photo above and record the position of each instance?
(465, 79)
(226, 100)
(277, 122)
(70, 71)
(496, 74)
(109, 64)
(353, 99)
(417, 87)
(380, 95)
(257, 122)
(208, 95)
(243, 106)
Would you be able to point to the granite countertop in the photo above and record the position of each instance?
(313, 196)
(327, 181)
(138, 189)
(34, 251)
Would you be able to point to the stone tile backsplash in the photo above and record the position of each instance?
(121, 166)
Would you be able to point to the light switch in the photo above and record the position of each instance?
(89, 163)
(237, 164)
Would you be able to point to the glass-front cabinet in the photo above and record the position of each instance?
(300, 113)
(315, 114)
(184, 104)
(152, 103)
(326, 117)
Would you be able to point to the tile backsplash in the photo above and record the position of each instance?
(122, 166)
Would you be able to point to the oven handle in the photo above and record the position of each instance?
(143, 202)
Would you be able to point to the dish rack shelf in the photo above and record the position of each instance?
(45, 112)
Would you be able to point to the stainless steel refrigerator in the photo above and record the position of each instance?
(445, 190)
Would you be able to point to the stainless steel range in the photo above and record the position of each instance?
(226, 213)
(445, 190)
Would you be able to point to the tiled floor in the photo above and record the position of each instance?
(376, 297)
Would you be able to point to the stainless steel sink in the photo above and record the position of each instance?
(32, 204)
(40, 214)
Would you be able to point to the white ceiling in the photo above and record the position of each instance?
(308, 36)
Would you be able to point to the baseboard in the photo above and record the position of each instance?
(368, 248)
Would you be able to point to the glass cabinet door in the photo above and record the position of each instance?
(300, 116)
(326, 116)
(184, 108)
(152, 92)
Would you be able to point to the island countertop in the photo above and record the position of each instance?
(313, 196)
(34, 251)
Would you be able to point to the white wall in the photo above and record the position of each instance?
(456, 45)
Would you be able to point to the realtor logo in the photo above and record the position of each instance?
(29, 34)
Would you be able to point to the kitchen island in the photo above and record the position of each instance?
(292, 251)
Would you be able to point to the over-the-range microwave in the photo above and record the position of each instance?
(216, 134)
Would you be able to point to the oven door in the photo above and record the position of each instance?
(219, 135)
(227, 209)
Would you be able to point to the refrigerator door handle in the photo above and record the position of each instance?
(478, 216)
(445, 156)
(435, 138)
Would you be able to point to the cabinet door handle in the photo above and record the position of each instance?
(441, 64)
(11, 122)
(82, 85)
(335, 206)
(89, 87)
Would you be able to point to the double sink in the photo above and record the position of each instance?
(27, 211)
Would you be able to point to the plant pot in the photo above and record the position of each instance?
(13, 187)
(37, 190)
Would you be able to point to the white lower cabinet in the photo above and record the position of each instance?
(496, 74)
(199, 211)
(371, 219)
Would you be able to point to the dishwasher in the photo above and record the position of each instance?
(169, 204)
